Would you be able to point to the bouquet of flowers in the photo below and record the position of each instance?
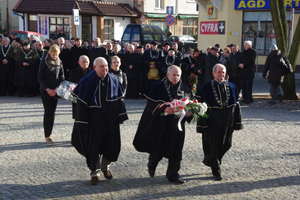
(65, 90)
(180, 107)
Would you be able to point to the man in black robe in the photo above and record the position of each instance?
(151, 59)
(159, 135)
(99, 111)
(7, 68)
(97, 51)
(77, 74)
(224, 116)
(25, 74)
(77, 51)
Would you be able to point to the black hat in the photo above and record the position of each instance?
(25, 44)
(166, 44)
(196, 49)
(13, 33)
(171, 49)
(153, 42)
(18, 40)
(214, 48)
(217, 45)
(230, 45)
(140, 47)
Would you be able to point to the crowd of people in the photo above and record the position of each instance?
(107, 73)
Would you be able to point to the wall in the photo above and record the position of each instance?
(120, 25)
(13, 19)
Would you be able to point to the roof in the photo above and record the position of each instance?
(93, 8)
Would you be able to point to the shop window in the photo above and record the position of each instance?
(108, 29)
(159, 4)
(56, 24)
(262, 40)
(189, 27)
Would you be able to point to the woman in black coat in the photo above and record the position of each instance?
(51, 74)
(276, 74)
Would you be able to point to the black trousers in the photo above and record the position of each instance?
(6, 87)
(132, 88)
(49, 104)
(246, 86)
(173, 167)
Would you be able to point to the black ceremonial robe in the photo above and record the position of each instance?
(159, 135)
(99, 111)
(224, 116)
(26, 76)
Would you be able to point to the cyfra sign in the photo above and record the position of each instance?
(262, 4)
(212, 27)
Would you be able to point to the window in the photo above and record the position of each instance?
(261, 40)
(160, 23)
(32, 25)
(190, 26)
(57, 24)
(108, 29)
(159, 4)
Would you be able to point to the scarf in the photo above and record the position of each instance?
(52, 64)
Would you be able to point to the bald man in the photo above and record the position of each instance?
(100, 110)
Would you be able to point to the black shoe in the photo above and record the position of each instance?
(248, 101)
(218, 177)
(280, 98)
(177, 181)
(107, 174)
(151, 172)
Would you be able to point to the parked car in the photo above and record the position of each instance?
(143, 34)
(185, 42)
(24, 36)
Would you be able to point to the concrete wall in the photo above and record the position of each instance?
(13, 20)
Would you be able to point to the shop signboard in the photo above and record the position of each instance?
(212, 27)
(262, 4)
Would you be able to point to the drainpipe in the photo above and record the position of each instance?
(7, 18)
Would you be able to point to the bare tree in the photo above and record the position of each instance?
(280, 24)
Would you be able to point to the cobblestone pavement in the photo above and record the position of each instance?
(263, 162)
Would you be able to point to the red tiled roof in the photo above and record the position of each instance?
(66, 6)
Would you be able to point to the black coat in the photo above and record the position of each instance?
(272, 65)
(78, 73)
(210, 61)
(97, 52)
(99, 111)
(65, 57)
(248, 59)
(7, 71)
(157, 134)
(50, 78)
(233, 62)
(76, 52)
(134, 60)
(75, 76)
(222, 120)
(26, 76)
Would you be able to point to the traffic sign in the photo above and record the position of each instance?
(170, 10)
(143, 18)
(170, 20)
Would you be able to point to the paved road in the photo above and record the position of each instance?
(262, 164)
